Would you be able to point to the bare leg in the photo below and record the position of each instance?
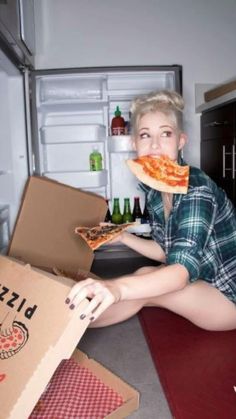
(198, 302)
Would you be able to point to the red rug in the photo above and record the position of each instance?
(197, 368)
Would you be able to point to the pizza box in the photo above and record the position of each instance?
(45, 331)
(44, 231)
(32, 304)
(44, 237)
(91, 391)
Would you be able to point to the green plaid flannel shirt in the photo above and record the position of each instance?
(200, 232)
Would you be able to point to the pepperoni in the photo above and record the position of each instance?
(6, 346)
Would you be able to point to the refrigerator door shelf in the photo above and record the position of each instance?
(83, 179)
(73, 133)
(120, 144)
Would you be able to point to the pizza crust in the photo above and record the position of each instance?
(138, 171)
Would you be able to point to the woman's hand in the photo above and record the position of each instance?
(101, 294)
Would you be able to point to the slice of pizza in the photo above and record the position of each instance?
(103, 233)
(160, 173)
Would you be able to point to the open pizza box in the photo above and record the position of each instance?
(32, 300)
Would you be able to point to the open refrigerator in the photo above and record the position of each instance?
(51, 120)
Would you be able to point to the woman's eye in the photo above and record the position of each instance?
(144, 135)
(166, 134)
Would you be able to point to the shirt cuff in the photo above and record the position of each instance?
(189, 259)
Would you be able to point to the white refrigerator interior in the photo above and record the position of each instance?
(71, 114)
(13, 147)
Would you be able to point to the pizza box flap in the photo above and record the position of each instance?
(45, 331)
(44, 232)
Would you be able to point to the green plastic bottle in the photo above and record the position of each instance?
(116, 217)
(127, 215)
(95, 160)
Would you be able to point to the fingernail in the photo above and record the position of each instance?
(82, 316)
(91, 319)
(72, 306)
(67, 301)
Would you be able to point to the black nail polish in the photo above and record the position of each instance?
(72, 306)
(91, 318)
(67, 301)
(82, 316)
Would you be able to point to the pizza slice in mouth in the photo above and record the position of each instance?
(160, 173)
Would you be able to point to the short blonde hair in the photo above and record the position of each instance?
(168, 102)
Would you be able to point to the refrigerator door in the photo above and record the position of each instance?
(13, 146)
(72, 112)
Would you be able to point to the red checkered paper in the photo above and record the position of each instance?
(74, 392)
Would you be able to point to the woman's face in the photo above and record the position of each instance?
(157, 135)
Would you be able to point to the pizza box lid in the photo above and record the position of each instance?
(44, 231)
(45, 332)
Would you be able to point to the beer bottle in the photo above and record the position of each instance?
(116, 217)
(137, 213)
(145, 216)
(127, 215)
(108, 214)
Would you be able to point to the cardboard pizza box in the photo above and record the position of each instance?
(45, 331)
(89, 389)
(44, 231)
(44, 237)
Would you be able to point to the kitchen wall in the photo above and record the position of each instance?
(200, 35)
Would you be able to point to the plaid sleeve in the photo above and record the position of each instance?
(196, 218)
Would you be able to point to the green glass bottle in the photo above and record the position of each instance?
(116, 217)
(127, 215)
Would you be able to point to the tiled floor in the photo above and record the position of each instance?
(122, 349)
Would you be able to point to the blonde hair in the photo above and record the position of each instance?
(168, 102)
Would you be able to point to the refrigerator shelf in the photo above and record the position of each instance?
(80, 179)
(69, 106)
(55, 134)
(120, 144)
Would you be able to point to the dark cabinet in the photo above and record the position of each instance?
(218, 141)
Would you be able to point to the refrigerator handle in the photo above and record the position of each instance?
(223, 174)
(30, 156)
(233, 161)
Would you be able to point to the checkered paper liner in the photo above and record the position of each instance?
(74, 392)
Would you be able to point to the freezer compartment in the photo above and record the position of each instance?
(85, 180)
(125, 85)
(64, 88)
(55, 134)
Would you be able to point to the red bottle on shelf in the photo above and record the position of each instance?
(118, 123)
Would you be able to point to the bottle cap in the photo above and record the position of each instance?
(117, 111)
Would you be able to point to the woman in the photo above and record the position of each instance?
(194, 236)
